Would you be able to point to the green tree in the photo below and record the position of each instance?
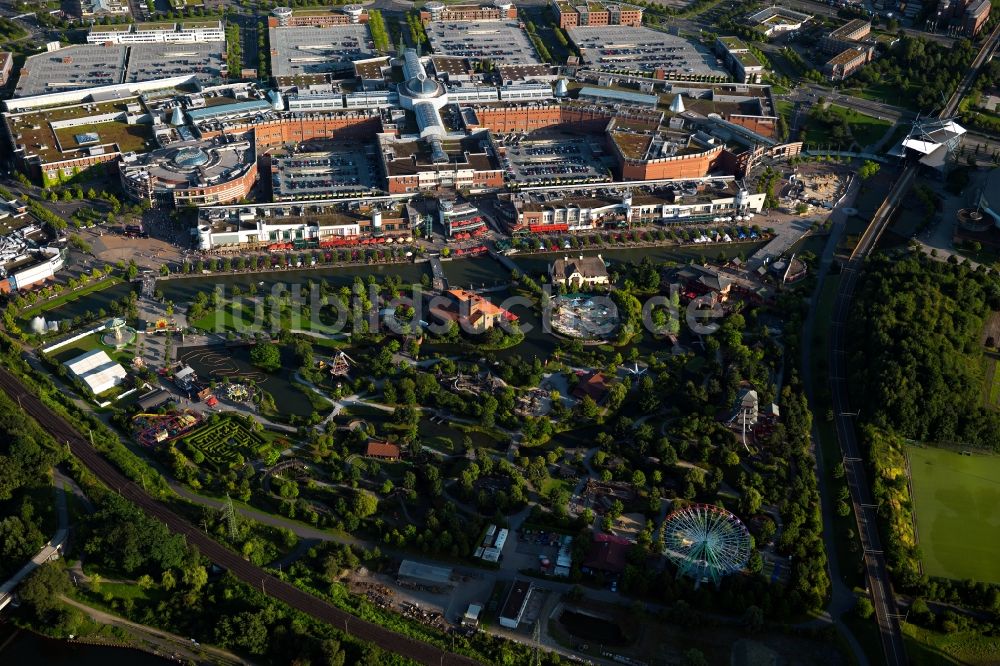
(365, 504)
(41, 590)
(694, 657)
(266, 356)
(753, 619)
(868, 169)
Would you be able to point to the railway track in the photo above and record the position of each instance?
(59, 428)
(865, 511)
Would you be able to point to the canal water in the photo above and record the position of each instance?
(31, 649)
(474, 273)
(478, 272)
(217, 362)
(92, 302)
(539, 263)
(183, 290)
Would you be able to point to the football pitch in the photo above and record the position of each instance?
(957, 507)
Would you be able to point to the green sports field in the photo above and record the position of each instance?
(957, 504)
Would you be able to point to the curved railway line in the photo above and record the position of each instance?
(59, 428)
(865, 510)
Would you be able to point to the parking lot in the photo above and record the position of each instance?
(72, 68)
(158, 61)
(554, 159)
(308, 50)
(323, 172)
(616, 48)
(502, 42)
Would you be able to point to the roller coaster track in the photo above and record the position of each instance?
(80, 447)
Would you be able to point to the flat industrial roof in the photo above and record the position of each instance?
(515, 600)
(620, 95)
(247, 107)
(427, 572)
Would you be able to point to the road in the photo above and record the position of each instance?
(811, 93)
(865, 510)
(60, 429)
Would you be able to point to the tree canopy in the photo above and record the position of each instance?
(916, 350)
(266, 356)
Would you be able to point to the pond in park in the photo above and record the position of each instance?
(218, 361)
(592, 628)
(183, 290)
(92, 302)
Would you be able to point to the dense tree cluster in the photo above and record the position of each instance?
(26, 455)
(914, 61)
(915, 350)
(120, 537)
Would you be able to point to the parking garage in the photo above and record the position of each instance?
(311, 51)
(538, 159)
(336, 170)
(147, 62)
(622, 48)
(502, 42)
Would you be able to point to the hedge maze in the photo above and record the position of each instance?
(225, 443)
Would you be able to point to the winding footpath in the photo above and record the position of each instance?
(80, 447)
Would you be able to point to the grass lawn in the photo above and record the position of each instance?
(898, 135)
(45, 306)
(90, 343)
(866, 129)
(228, 318)
(128, 137)
(74, 349)
(884, 92)
(549, 483)
(926, 647)
(991, 382)
(124, 591)
(957, 503)
(866, 633)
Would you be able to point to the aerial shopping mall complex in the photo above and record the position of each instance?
(343, 136)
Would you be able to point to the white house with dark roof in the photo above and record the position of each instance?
(579, 272)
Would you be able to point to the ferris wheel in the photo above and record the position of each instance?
(706, 542)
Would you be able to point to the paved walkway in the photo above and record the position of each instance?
(842, 598)
(158, 641)
(940, 236)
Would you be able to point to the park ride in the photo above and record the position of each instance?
(118, 334)
(705, 542)
(153, 429)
